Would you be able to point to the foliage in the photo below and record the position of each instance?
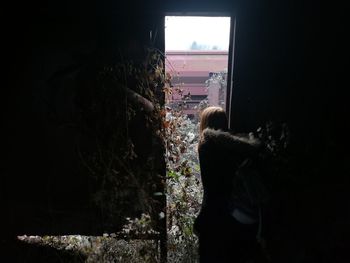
(122, 180)
(275, 157)
(184, 189)
(105, 249)
(119, 107)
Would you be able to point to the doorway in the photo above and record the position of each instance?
(197, 60)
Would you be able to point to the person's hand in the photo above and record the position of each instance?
(254, 140)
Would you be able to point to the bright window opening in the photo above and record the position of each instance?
(196, 49)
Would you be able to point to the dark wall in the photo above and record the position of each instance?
(291, 60)
(291, 63)
(43, 190)
(290, 53)
(42, 39)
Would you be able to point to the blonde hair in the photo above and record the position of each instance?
(213, 117)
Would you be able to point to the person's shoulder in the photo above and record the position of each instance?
(212, 135)
(245, 144)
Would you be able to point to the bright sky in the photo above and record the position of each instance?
(182, 31)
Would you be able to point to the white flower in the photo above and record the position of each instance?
(161, 215)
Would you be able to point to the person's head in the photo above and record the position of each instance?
(213, 118)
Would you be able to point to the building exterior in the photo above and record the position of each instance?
(191, 71)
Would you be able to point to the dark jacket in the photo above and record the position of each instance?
(220, 154)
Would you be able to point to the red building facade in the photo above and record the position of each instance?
(190, 71)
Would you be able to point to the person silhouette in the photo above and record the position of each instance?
(223, 235)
